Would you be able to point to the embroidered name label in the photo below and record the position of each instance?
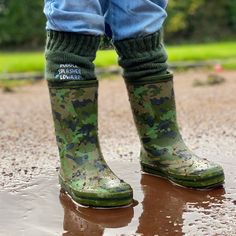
(68, 72)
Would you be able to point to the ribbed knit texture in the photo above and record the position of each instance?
(142, 57)
(70, 51)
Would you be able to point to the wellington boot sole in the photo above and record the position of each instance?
(120, 199)
(211, 182)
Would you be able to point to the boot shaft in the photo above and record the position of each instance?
(153, 106)
(74, 109)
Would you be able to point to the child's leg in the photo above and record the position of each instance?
(131, 19)
(150, 88)
(73, 90)
(79, 16)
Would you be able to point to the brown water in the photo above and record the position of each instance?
(160, 208)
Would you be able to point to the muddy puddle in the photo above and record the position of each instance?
(160, 208)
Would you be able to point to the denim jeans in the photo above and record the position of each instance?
(119, 19)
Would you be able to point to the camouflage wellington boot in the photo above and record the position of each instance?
(151, 94)
(164, 152)
(84, 173)
(73, 89)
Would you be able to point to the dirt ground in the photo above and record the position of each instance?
(28, 159)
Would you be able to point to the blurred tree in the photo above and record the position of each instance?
(200, 21)
(21, 23)
(178, 12)
(231, 9)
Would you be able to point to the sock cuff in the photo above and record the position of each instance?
(69, 42)
(132, 48)
(157, 78)
(72, 84)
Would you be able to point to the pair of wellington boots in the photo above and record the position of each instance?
(84, 174)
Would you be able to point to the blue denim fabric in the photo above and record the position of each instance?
(119, 19)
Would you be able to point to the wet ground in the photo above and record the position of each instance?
(30, 198)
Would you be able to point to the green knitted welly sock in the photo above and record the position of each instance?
(142, 57)
(152, 100)
(84, 174)
(70, 56)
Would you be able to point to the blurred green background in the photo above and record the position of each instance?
(196, 30)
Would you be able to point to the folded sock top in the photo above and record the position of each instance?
(129, 48)
(143, 56)
(78, 44)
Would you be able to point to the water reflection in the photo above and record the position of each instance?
(159, 211)
(164, 205)
(88, 221)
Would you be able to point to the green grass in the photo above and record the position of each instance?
(11, 62)
(202, 52)
(34, 61)
(106, 58)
